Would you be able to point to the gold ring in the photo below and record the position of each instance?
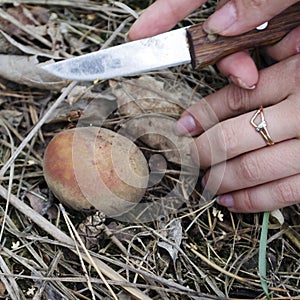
(262, 126)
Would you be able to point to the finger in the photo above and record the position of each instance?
(236, 17)
(275, 84)
(161, 16)
(236, 136)
(266, 197)
(255, 168)
(288, 46)
(241, 69)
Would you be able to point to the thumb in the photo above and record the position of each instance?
(239, 16)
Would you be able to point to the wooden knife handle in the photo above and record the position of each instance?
(205, 50)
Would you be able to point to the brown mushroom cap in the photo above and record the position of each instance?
(91, 167)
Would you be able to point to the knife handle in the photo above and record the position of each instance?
(206, 50)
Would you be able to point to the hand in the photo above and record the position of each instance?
(233, 17)
(249, 175)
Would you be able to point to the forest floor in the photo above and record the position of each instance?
(192, 248)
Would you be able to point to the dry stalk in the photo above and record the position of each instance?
(36, 128)
(10, 182)
(207, 279)
(10, 282)
(68, 242)
(5, 16)
(91, 5)
(76, 238)
(193, 249)
(233, 243)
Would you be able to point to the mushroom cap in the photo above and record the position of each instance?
(95, 168)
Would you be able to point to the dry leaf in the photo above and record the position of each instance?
(6, 47)
(144, 95)
(148, 94)
(277, 214)
(157, 131)
(174, 235)
(86, 106)
(35, 17)
(13, 117)
(11, 46)
(155, 105)
(41, 206)
(2, 289)
(26, 70)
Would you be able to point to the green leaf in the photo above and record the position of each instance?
(262, 258)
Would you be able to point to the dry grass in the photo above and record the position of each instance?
(42, 256)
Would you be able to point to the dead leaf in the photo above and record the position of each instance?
(154, 106)
(277, 214)
(42, 206)
(6, 47)
(147, 94)
(11, 29)
(157, 131)
(85, 106)
(174, 235)
(37, 16)
(13, 47)
(2, 289)
(26, 70)
(13, 117)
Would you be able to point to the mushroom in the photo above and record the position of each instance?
(95, 168)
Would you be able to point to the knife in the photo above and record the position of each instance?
(173, 48)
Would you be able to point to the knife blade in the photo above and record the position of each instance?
(170, 49)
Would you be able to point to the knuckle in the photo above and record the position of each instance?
(259, 8)
(285, 192)
(229, 138)
(256, 3)
(223, 142)
(248, 204)
(237, 100)
(249, 168)
(295, 109)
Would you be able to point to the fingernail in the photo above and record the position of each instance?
(186, 124)
(239, 82)
(127, 37)
(226, 200)
(221, 19)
